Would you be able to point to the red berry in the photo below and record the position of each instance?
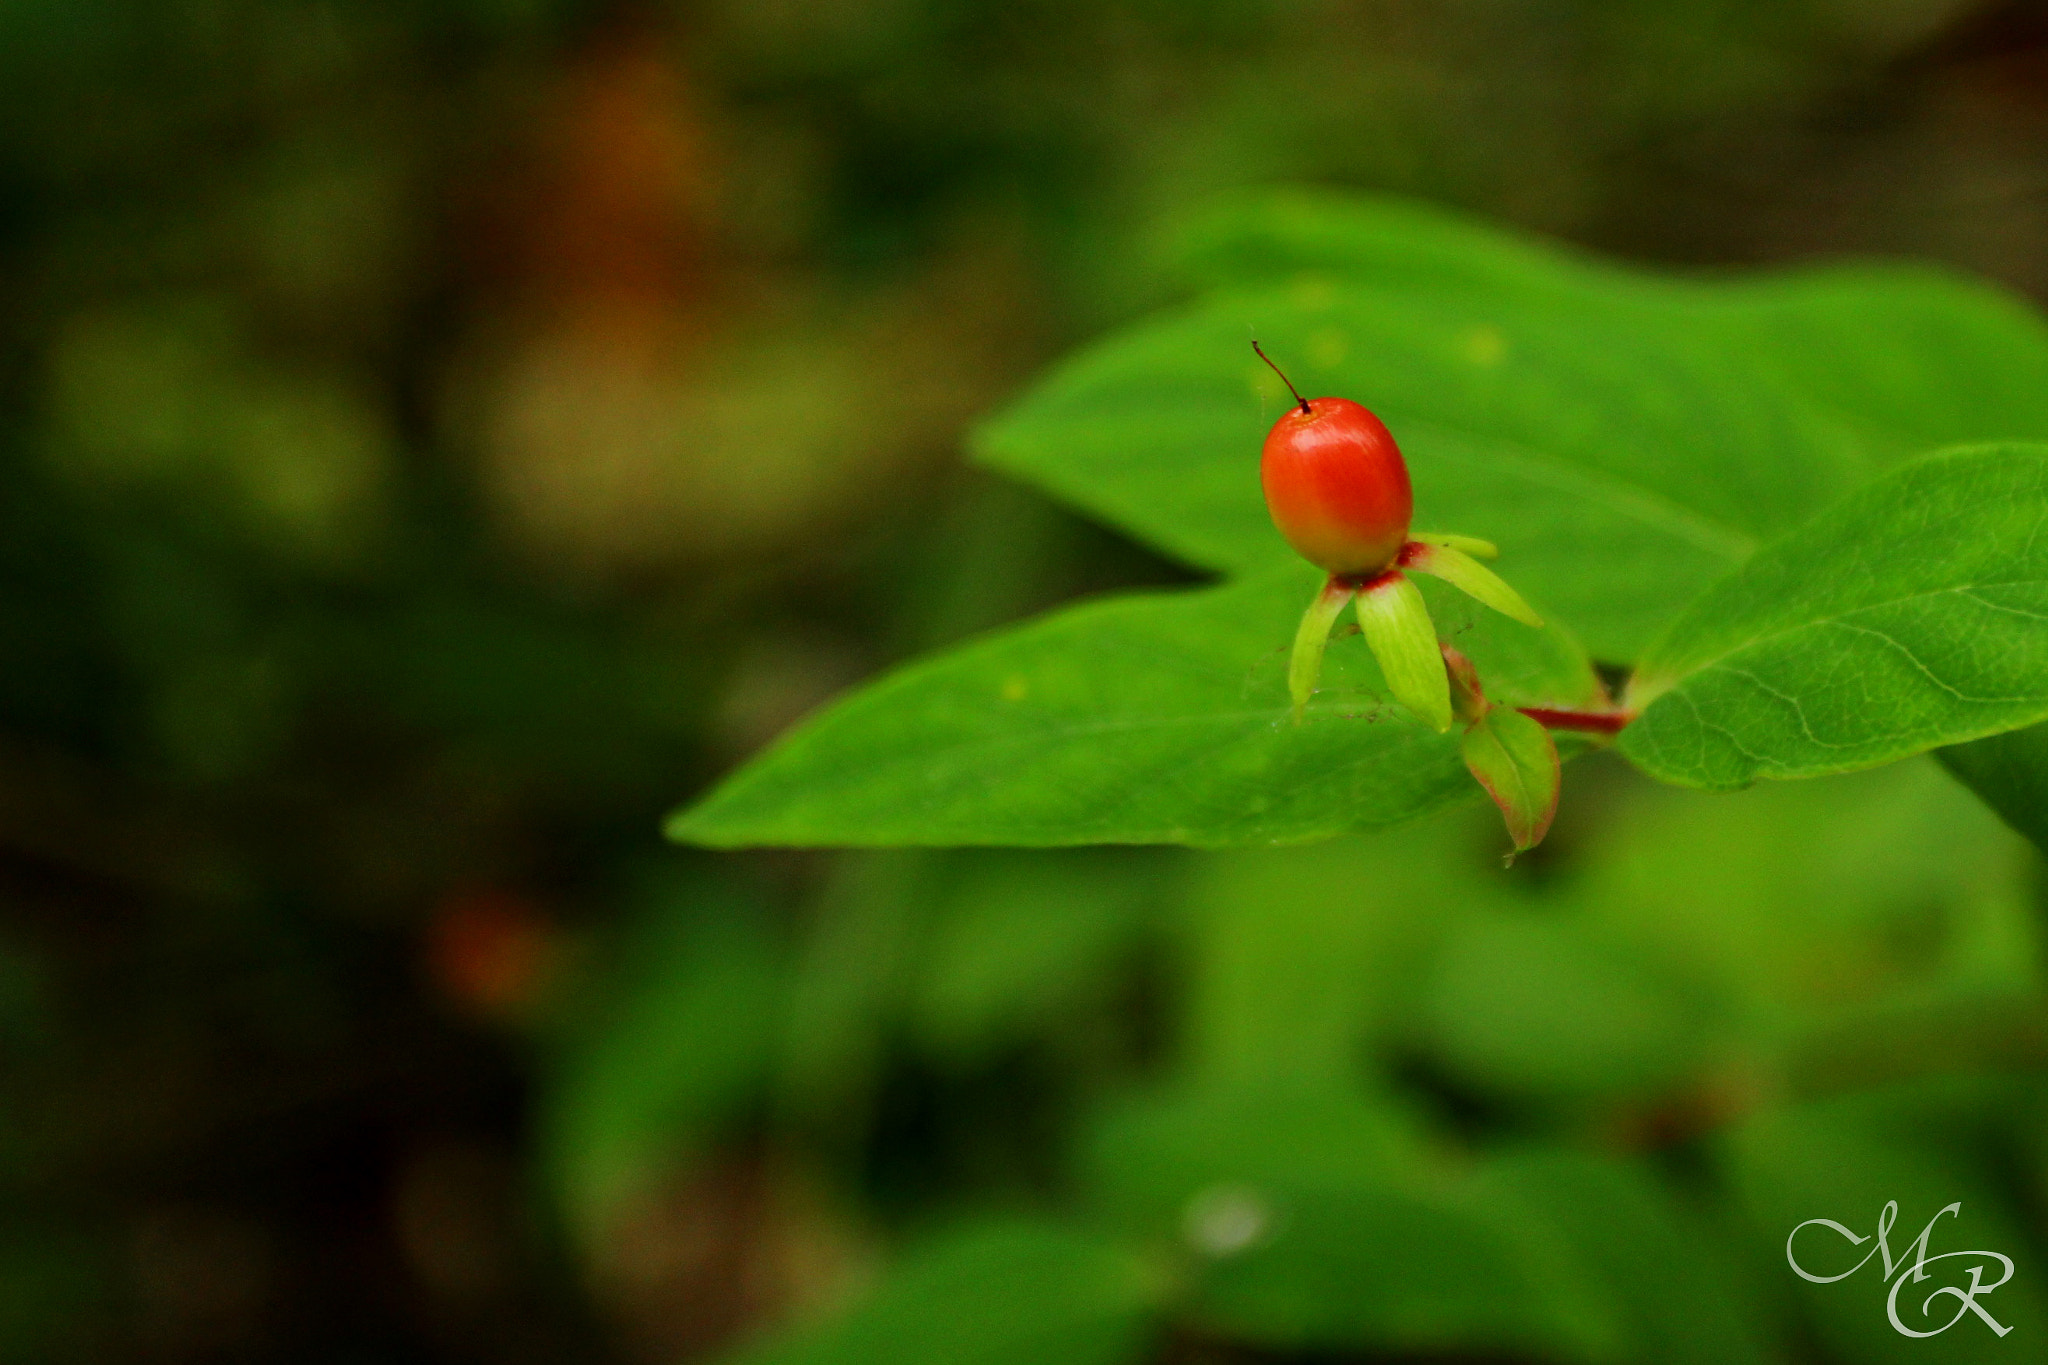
(1337, 487)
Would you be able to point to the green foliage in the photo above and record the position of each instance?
(1914, 1144)
(1625, 437)
(1558, 1010)
(1630, 440)
(1910, 615)
(1620, 1218)
(1160, 719)
(685, 1039)
(1411, 1270)
(2010, 771)
(1515, 760)
(1001, 1292)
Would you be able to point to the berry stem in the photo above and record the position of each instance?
(1283, 378)
(1586, 722)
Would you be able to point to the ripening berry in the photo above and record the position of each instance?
(1337, 487)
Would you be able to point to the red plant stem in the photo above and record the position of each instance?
(1591, 722)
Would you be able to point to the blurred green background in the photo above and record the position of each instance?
(440, 436)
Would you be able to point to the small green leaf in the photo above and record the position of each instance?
(2010, 771)
(1514, 759)
(1912, 614)
(1154, 719)
(1396, 623)
(1009, 1292)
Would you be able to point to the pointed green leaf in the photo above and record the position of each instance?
(1582, 415)
(1472, 578)
(1913, 614)
(1514, 759)
(1396, 623)
(1155, 719)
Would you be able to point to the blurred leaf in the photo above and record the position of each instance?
(1011, 1292)
(850, 980)
(1681, 1298)
(1150, 1161)
(1411, 1270)
(1300, 958)
(1912, 614)
(1159, 719)
(1546, 1007)
(682, 1036)
(1805, 906)
(1022, 938)
(2010, 771)
(1844, 1160)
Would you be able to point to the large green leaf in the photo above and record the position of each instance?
(1626, 436)
(1912, 356)
(1010, 1292)
(1911, 615)
(1157, 719)
(1621, 468)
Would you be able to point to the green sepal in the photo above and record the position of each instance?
(1403, 638)
(1515, 760)
(1471, 545)
(1306, 663)
(1469, 576)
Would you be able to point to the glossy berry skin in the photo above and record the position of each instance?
(1337, 487)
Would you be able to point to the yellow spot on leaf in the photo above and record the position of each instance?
(1314, 291)
(1327, 348)
(1014, 689)
(1485, 345)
